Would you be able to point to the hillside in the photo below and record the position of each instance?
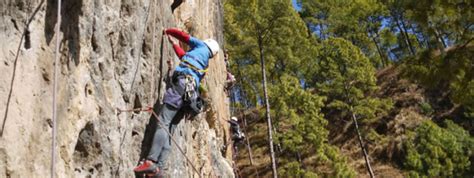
(386, 148)
(112, 56)
(354, 88)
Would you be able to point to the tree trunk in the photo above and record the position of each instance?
(300, 160)
(278, 145)
(412, 50)
(246, 104)
(247, 140)
(267, 107)
(364, 152)
(243, 99)
(420, 43)
(405, 37)
(439, 36)
(382, 56)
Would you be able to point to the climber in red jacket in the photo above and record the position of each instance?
(183, 92)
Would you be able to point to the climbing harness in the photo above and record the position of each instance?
(185, 63)
(55, 85)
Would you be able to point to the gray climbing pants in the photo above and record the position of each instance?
(161, 146)
(173, 101)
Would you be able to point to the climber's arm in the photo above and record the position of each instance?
(177, 49)
(184, 37)
(180, 35)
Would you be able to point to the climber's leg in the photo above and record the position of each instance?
(167, 148)
(161, 138)
(172, 103)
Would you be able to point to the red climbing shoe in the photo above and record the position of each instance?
(147, 167)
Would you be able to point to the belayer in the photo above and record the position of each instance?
(183, 92)
(237, 135)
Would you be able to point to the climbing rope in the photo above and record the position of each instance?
(23, 35)
(147, 109)
(153, 54)
(55, 85)
(150, 109)
(129, 94)
(176, 143)
(140, 50)
(163, 48)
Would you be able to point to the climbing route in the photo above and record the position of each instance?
(83, 79)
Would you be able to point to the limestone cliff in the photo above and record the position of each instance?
(112, 56)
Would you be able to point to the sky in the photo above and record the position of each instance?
(295, 5)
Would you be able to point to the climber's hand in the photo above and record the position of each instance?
(164, 31)
(171, 40)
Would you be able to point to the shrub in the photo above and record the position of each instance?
(433, 151)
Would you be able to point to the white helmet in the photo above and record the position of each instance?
(234, 118)
(213, 46)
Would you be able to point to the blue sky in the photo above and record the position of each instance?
(295, 5)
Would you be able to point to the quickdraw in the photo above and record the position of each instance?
(190, 88)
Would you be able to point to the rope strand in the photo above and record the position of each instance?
(175, 142)
(55, 85)
(152, 93)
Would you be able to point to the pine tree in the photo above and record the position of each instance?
(262, 30)
(329, 54)
(347, 78)
(358, 21)
(302, 132)
(287, 49)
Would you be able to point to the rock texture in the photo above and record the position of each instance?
(112, 56)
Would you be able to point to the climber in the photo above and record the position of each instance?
(230, 79)
(237, 135)
(182, 93)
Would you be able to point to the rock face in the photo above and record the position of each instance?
(113, 55)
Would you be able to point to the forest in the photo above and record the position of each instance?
(353, 88)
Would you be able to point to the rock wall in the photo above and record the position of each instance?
(112, 56)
